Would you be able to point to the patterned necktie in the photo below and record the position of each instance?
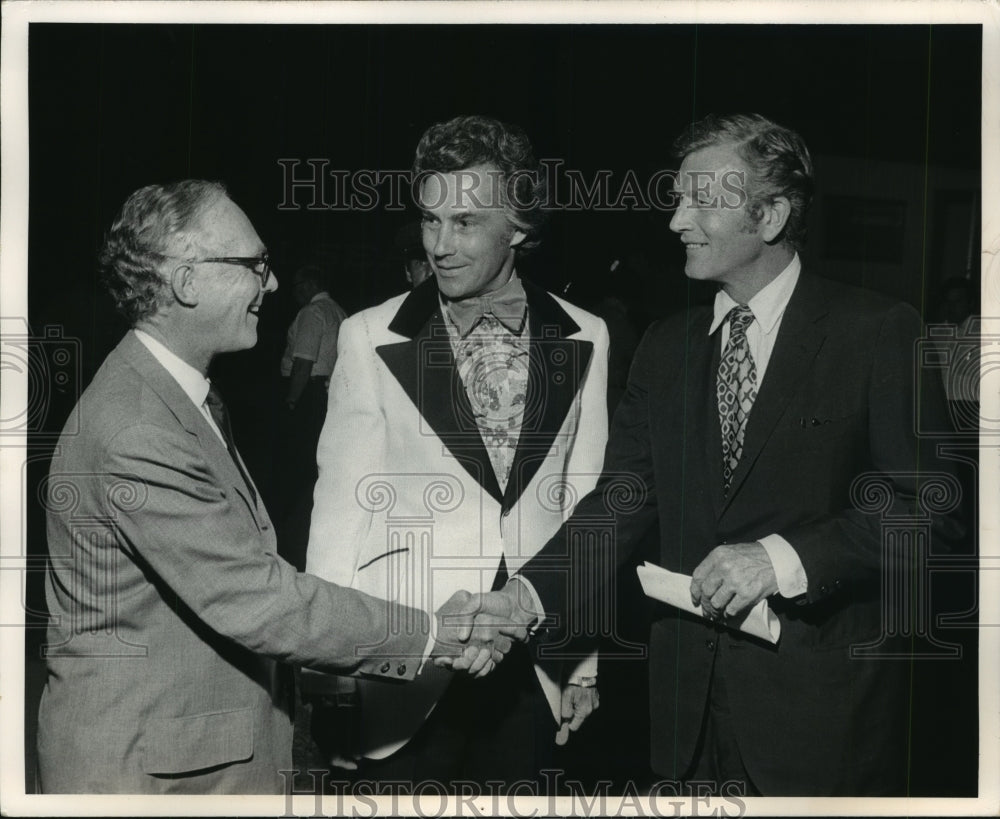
(217, 407)
(736, 389)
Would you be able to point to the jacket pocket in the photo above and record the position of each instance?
(185, 744)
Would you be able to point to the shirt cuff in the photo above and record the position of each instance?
(431, 640)
(788, 569)
(536, 604)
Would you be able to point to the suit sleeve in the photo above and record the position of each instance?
(624, 499)
(351, 447)
(199, 544)
(587, 455)
(905, 475)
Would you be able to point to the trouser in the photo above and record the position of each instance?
(498, 730)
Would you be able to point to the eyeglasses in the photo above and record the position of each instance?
(259, 265)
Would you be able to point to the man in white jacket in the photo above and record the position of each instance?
(465, 419)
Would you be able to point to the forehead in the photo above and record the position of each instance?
(707, 166)
(470, 189)
(225, 229)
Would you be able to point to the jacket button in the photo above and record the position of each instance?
(710, 645)
(385, 668)
(401, 669)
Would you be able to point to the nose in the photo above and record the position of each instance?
(272, 283)
(443, 242)
(680, 220)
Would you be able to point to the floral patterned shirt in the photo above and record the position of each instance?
(493, 365)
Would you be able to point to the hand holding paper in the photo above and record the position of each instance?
(733, 577)
(675, 590)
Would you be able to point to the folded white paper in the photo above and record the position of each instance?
(675, 589)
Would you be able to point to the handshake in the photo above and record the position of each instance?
(475, 631)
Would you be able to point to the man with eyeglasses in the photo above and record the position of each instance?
(171, 613)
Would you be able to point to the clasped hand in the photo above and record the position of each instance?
(475, 631)
(732, 579)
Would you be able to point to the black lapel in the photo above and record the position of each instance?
(799, 339)
(424, 366)
(556, 368)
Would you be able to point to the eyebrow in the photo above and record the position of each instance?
(451, 214)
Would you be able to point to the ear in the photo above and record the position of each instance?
(775, 217)
(184, 285)
(517, 237)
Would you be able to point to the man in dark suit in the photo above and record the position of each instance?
(171, 611)
(773, 435)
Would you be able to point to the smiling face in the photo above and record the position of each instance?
(229, 295)
(469, 241)
(723, 243)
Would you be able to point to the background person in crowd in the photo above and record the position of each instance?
(409, 248)
(306, 366)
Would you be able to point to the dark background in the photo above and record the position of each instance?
(891, 113)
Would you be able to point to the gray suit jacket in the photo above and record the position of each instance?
(171, 611)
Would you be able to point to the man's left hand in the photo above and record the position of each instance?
(578, 703)
(732, 579)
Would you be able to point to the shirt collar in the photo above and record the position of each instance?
(508, 304)
(768, 305)
(194, 384)
(322, 294)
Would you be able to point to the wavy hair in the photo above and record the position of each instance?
(471, 140)
(776, 156)
(147, 228)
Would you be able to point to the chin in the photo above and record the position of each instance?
(452, 289)
(247, 341)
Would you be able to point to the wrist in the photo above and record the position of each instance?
(525, 607)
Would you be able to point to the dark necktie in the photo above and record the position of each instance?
(217, 407)
(736, 389)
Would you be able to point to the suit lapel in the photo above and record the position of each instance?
(799, 339)
(556, 368)
(187, 414)
(424, 366)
